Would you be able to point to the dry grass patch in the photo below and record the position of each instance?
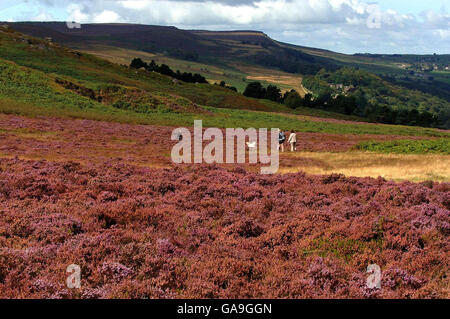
(292, 81)
(284, 80)
(116, 54)
(396, 167)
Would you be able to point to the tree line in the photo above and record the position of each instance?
(224, 85)
(258, 91)
(164, 69)
(357, 92)
(349, 104)
(359, 106)
(138, 63)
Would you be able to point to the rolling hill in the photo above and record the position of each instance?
(203, 46)
(218, 46)
(41, 77)
(238, 57)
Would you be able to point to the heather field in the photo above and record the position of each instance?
(106, 196)
(208, 232)
(87, 141)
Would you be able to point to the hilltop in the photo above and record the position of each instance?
(219, 46)
(201, 46)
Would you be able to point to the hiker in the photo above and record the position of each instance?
(281, 140)
(293, 141)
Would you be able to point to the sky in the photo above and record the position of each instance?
(347, 26)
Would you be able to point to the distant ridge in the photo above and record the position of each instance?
(217, 47)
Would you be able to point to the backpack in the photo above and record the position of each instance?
(282, 137)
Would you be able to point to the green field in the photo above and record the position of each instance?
(443, 76)
(32, 93)
(438, 146)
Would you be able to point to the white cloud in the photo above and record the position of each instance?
(444, 34)
(76, 14)
(355, 21)
(133, 4)
(106, 16)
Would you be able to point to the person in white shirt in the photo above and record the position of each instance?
(293, 141)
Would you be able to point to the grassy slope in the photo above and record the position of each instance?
(214, 74)
(28, 87)
(238, 75)
(439, 146)
(392, 67)
(220, 52)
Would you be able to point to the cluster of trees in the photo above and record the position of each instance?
(340, 103)
(439, 86)
(349, 104)
(258, 91)
(358, 105)
(377, 99)
(137, 63)
(224, 85)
